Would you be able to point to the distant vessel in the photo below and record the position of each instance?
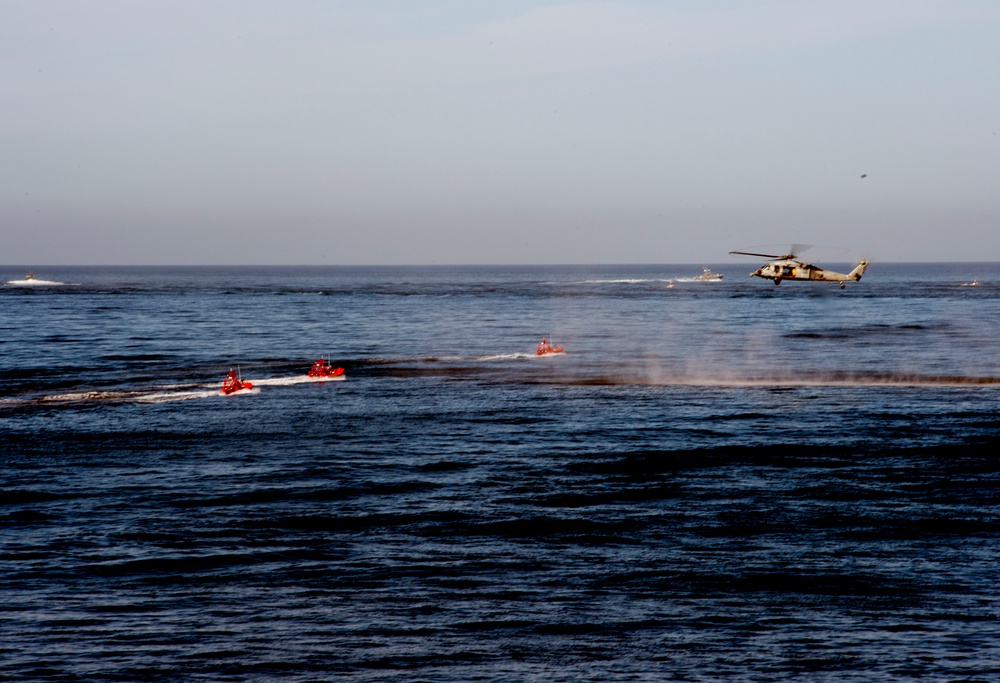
(30, 280)
(233, 383)
(545, 348)
(708, 276)
(322, 369)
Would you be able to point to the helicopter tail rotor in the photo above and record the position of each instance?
(858, 271)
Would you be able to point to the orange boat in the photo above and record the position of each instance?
(545, 348)
(234, 383)
(322, 369)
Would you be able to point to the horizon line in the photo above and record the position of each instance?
(450, 265)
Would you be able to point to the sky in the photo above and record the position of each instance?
(201, 132)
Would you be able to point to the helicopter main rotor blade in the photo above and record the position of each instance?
(750, 253)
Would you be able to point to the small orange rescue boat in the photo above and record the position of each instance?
(545, 348)
(323, 369)
(234, 383)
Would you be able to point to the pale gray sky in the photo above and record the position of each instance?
(442, 131)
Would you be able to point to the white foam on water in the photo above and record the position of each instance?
(33, 283)
(503, 356)
(488, 357)
(161, 394)
(254, 390)
(625, 281)
(168, 396)
(291, 381)
(90, 396)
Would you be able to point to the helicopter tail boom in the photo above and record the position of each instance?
(858, 271)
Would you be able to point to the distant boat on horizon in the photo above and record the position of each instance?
(708, 276)
(30, 279)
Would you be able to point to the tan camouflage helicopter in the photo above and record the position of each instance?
(789, 267)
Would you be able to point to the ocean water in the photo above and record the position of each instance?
(715, 481)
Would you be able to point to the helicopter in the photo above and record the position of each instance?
(788, 267)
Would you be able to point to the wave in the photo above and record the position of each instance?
(786, 380)
(643, 281)
(625, 281)
(777, 380)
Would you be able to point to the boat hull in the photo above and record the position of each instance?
(325, 373)
(230, 389)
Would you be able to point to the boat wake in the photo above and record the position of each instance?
(456, 359)
(34, 283)
(170, 396)
(291, 381)
(241, 392)
(158, 394)
(625, 281)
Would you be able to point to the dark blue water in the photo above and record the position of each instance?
(716, 481)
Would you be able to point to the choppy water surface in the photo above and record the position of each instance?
(715, 481)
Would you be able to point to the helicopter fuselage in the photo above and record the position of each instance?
(792, 269)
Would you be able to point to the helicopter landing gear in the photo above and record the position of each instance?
(841, 285)
(777, 281)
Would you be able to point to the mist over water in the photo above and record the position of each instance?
(716, 480)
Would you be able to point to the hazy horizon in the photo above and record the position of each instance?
(534, 133)
(750, 264)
